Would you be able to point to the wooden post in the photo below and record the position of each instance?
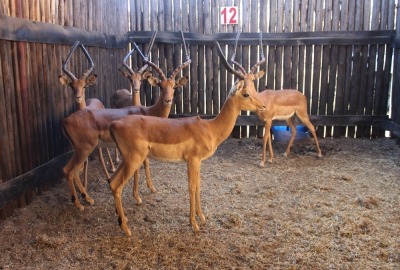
(396, 73)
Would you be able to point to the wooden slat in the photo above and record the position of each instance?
(193, 55)
(243, 56)
(254, 56)
(288, 60)
(178, 55)
(210, 92)
(262, 81)
(5, 142)
(18, 131)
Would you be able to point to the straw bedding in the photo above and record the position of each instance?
(338, 212)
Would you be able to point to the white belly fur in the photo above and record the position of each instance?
(282, 117)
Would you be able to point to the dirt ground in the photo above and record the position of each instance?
(338, 212)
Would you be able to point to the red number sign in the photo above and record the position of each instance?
(229, 15)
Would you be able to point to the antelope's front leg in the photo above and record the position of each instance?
(111, 161)
(146, 165)
(198, 202)
(117, 183)
(193, 178)
(136, 187)
(103, 164)
(267, 139)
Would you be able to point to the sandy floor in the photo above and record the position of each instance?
(338, 212)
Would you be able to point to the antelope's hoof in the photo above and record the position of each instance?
(126, 230)
(196, 228)
(138, 201)
(319, 155)
(202, 218)
(89, 200)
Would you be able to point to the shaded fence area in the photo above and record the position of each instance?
(343, 55)
(36, 38)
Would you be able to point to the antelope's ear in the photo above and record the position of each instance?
(153, 81)
(259, 74)
(146, 75)
(182, 81)
(64, 80)
(123, 73)
(240, 85)
(91, 80)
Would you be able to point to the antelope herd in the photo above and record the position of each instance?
(140, 132)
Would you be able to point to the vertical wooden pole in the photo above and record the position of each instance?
(395, 103)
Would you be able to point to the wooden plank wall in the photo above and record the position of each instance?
(337, 79)
(32, 100)
(395, 97)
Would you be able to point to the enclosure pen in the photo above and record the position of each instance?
(342, 55)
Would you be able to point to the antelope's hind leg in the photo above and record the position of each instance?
(267, 139)
(306, 121)
(293, 130)
(70, 173)
(82, 189)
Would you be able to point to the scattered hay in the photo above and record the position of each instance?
(45, 241)
(301, 212)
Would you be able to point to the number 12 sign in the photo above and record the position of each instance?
(229, 15)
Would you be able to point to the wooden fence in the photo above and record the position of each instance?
(338, 53)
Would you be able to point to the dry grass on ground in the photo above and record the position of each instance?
(338, 212)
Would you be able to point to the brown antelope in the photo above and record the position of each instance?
(284, 105)
(189, 140)
(124, 98)
(279, 105)
(90, 128)
(78, 86)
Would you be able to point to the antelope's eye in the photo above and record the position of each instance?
(246, 95)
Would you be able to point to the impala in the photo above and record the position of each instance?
(189, 140)
(124, 98)
(90, 128)
(284, 105)
(279, 105)
(78, 86)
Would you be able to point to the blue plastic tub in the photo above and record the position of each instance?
(283, 133)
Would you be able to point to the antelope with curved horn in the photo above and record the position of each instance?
(90, 128)
(282, 105)
(189, 140)
(78, 86)
(123, 98)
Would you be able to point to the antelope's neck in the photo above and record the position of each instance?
(224, 122)
(81, 105)
(159, 109)
(136, 100)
